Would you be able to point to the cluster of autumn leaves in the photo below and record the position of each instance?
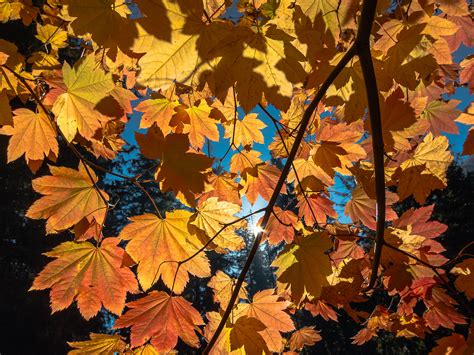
(193, 64)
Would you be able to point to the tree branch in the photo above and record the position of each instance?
(368, 72)
(286, 169)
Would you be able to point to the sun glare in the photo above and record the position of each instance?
(256, 229)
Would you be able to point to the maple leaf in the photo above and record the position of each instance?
(281, 226)
(222, 286)
(306, 336)
(440, 116)
(259, 63)
(363, 208)
(266, 307)
(409, 56)
(296, 258)
(432, 154)
(161, 318)
(260, 180)
(418, 220)
(210, 217)
(85, 86)
(246, 131)
(245, 336)
(442, 315)
(92, 275)
(318, 204)
(105, 21)
(308, 170)
(157, 245)
(101, 344)
(397, 115)
(224, 187)
(157, 110)
(49, 34)
(244, 160)
(181, 171)
(34, 136)
(453, 344)
(200, 126)
(176, 41)
(465, 271)
(69, 196)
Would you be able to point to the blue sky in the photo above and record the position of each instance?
(218, 148)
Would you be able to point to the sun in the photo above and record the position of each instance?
(256, 229)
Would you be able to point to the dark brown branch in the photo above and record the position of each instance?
(368, 72)
(292, 165)
(286, 169)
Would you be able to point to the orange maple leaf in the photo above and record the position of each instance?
(32, 135)
(161, 318)
(69, 196)
(306, 336)
(157, 245)
(93, 276)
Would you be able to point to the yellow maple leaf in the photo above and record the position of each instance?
(433, 153)
(32, 135)
(268, 309)
(157, 110)
(200, 126)
(85, 87)
(222, 287)
(157, 245)
(69, 196)
(210, 217)
(294, 261)
(246, 131)
(53, 35)
(98, 344)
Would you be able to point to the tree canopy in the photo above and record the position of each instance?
(241, 102)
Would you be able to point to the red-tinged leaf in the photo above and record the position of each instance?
(347, 249)
(454, 344)
(440, 116)
(465, 277)
(363, 336)
(281, 226)
(323, 309)
(419, 221)
(316, 208)
(362, 208)
(306, 336)
(260, 181)
(161, 318)
(442, 315)
(93, 276)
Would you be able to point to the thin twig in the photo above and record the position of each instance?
(276, 192)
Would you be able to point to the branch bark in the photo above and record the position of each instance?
(286, 169)
(370, 80)
(362, 40)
